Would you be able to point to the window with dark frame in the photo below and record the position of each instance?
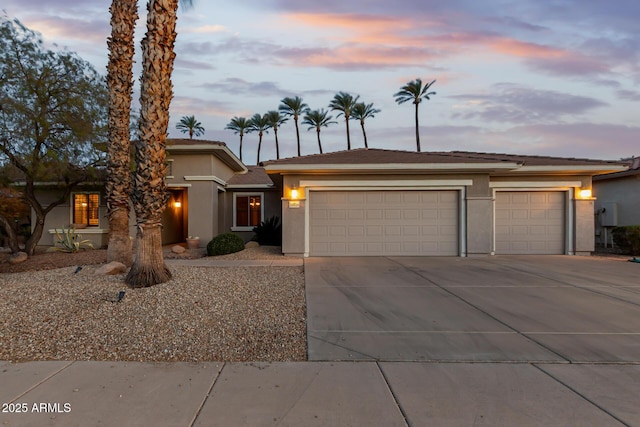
(248, 210)
(86, 209)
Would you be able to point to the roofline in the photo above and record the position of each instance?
(390, 167)
(581, 168)
(226, 156)
(240, 186)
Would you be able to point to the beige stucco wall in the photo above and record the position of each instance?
(625, 193)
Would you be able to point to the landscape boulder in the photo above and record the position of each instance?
(177, 249)
(251, 244)
(18, 258)
(111, 269)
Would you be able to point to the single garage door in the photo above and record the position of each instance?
(530, 222)
(373, 223)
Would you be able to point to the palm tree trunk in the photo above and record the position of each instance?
(319, 143)
(346, 120)
(417, 128)
(241, 135)
(295, 119)
(124, 14)
(150, 194)
(364, 134)
(275, 132)
(259, 145)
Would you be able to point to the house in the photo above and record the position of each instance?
(372, 202)
(618, 201)
(211, 192)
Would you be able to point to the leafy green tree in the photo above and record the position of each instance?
(415, 92)
(191, 125)
(53, 110)
(276, 119)
(344, 103)
(361, 112)
(259, 123)
(317, 119)
(294, 107)
(239, 125)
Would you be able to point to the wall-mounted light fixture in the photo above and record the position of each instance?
(295, 193)
(177, 204)
(585, 193)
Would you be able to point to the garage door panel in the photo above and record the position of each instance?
(384, 223)
(530, 222)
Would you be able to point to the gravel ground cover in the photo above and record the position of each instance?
(202, 314)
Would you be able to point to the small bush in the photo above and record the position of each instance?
(627, 238)
(225, 243)
(269, 232)
(70, 241)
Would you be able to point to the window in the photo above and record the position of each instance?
(86, 209)
(248, 210)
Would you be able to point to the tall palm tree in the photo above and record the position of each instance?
(150, 191)
(344, 103)
(276, 119)
(259, 123)
(191, 125)
(317, 119)
(414, 92)
(124, 14)
(239, 125)
(294, 107)
(362, 111)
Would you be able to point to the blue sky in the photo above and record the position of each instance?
(542, 77)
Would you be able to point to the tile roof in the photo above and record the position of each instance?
(255, 176)
(380, 156)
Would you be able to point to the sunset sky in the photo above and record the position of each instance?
(543, 77)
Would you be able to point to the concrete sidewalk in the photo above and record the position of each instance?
(318, 394)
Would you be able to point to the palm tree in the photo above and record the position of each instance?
(276, 119)
(294, 107)
(191, 125)
(344, 103)
(124, 14)
(261, 125)
(150, 191)
(414, 92)
(239, 125)
(362, 111)
(317, 119)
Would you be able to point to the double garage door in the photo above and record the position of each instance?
(426, 223)
(370, 223)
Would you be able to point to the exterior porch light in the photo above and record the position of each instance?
(295, 193)
(585, 193)
(177, 204)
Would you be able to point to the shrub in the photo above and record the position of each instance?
(69, 241)
(269, 232)
(627, 238)
(225, 243)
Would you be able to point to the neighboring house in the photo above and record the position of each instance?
(371, 202)
(618, 201)
(211, 192)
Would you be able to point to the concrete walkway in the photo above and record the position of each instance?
(582, 313)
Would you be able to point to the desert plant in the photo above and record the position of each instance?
(269, 232)
(69, 241)
(225, 243)
(627, 238)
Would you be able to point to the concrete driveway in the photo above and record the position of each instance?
(551, 309)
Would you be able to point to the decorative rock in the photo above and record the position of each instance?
(251, 244)
(112, 268)
(177, 249)
(18, 258)
(5, 250)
